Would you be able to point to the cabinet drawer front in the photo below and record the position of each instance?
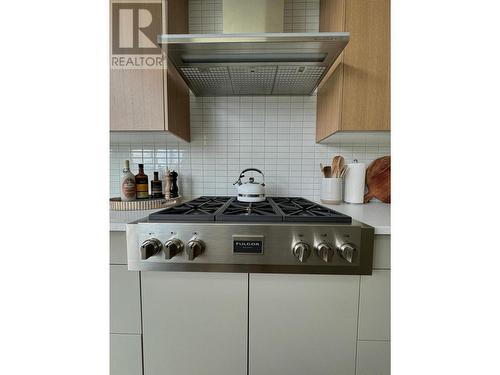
(302, 324)
(125, 355)
(382, 252)
(125, 301)
(195, 323)
(374, 358)
(375, 306)
(117, 248)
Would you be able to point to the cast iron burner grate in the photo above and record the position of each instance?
(250, 212)
(229, 209)
(199, 209)
(302, 210)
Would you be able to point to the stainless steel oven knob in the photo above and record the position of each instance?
(150, 247)
(325, 252)
(194, 248)
(347, 251)
(301, 250)
(172, 247)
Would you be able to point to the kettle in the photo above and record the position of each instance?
(251, 191)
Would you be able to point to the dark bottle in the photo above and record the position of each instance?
(174, 189)
(141, 183)
(156, 187)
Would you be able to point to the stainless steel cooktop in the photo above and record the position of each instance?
(278, 235)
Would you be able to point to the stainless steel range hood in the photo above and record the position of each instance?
(253, 64)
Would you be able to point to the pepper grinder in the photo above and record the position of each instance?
(174, 189)
(167, 183)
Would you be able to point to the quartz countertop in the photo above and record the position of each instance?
(118, 219)
(376, 214)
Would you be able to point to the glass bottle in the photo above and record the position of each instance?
(156, 187)
(127, 184)
(141, 182)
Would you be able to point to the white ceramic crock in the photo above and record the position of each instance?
(331, 190)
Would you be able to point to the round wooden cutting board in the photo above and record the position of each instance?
(378, 180)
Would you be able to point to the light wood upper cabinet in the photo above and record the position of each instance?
(356, 97)
(153, 99)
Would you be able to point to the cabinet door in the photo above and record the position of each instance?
(136, 101)
(125, 356)
(117, 248)
(125, 300)
(302, 324)
(194, 323)
(366, 94)
(382, 252)
(375, 306)
(374, 358)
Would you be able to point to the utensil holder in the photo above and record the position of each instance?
(331, 190)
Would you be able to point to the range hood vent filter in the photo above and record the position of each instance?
(253, 64)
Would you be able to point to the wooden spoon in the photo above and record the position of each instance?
(341, 166)
(335, 163)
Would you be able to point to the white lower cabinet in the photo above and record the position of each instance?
(194, 323)
(125, 300)
(302, 324)
(374, 358)
(125, 357)
(375, 306)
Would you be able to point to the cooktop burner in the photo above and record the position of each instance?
(252, 212)
(199, 209)
(273, 209)
(301, 210)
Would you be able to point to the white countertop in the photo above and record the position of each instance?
(376, 214)
(118, 219)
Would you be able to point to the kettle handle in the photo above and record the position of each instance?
(250, 169)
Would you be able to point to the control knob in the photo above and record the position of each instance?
(325, 252)
(301, 251)
(347, 251)
(172, 247)
(150, 247)
(195, 248)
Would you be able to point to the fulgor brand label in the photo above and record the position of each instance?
(248, 245)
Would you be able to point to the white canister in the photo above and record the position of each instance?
(355, 183)
(331, 190)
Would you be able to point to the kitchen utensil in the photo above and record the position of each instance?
(354, 182)
(250, 191)
(341, 165)
(334, 165)
(378, 180)
(337, 164)
(327, 171)
(343, 171)
(331, 190)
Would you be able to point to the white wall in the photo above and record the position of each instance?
(273, 133)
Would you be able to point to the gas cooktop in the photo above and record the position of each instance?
(273, 209)
(278, 235)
